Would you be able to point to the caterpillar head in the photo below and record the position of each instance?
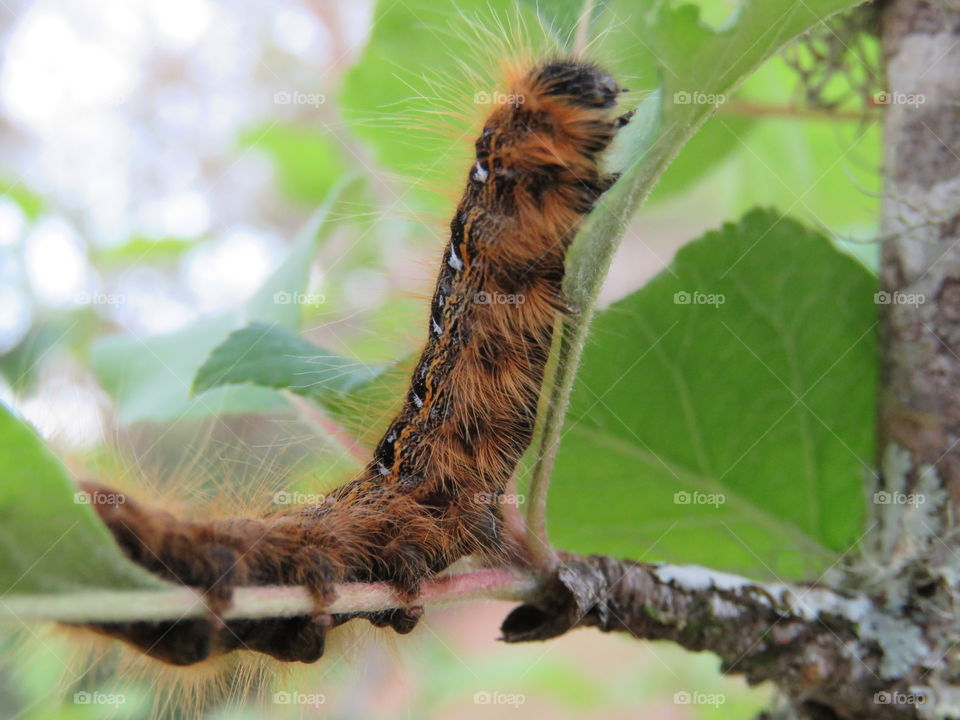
(546, 136)
(575, 82)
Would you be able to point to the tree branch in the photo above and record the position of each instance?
(791, 112)
(823, 648)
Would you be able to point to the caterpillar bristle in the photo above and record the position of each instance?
(430, 494)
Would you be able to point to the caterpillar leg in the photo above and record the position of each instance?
(175, 550)
(217, 557)
(189, 641)
(180, 642)
(621, 120)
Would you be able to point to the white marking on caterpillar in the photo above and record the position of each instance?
(392, 436)
(416, 400)
(383, 469)
(454, 262)
(480, 173)
(436, 328)
(423, 371)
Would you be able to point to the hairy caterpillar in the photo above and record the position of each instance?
(429, 494)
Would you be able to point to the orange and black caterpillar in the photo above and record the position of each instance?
(429, 495)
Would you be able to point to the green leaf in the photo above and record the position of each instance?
(150, 378)
(362, 396)
(758, 390)
(50, 540)
(271, 356)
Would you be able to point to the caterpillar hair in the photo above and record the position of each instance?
(429, 495)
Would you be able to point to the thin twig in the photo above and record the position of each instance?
(259, 602)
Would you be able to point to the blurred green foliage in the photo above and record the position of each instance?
(307, 159)
(151, 378)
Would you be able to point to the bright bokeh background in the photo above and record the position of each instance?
(157, 158)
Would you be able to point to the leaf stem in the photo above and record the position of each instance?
(542, 553)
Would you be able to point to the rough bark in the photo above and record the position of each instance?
(833, 654)
(920, 399)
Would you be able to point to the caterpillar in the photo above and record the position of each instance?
(429, 494)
